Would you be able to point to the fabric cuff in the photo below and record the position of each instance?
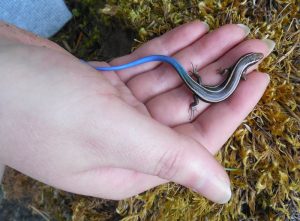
(41, 17)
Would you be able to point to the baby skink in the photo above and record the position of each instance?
(210, 94)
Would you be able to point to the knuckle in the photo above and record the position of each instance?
(168, 165)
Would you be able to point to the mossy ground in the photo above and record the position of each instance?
(264, 149)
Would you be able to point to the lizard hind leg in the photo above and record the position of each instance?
(193, 106)
(195, 74)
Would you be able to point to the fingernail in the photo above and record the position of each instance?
(267, 77)
(215, 188)
(270, 44)
(206, 25)
(245, 28)
(224, 187)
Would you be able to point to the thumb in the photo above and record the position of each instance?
(188, 163)
(155, 149)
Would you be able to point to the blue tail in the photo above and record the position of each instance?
(140, 61)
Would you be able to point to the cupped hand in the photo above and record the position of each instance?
(116, 134)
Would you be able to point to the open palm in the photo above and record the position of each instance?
(116, 134)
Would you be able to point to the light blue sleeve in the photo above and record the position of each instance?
(42, 17)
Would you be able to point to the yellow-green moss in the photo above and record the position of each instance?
(264, 149)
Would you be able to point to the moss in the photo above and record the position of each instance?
(93, 34)
(264, 149)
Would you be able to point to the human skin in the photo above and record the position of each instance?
(116, 134)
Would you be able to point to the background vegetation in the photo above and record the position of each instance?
(264, 149)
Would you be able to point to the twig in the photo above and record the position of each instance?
(42, 214)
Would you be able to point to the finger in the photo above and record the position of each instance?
(172, 108)
(213, 127)
(202, 52)
(18, 35)
(167, 44)
(109, 183)
(151, 148)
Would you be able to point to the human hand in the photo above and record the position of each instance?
(113, 135)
